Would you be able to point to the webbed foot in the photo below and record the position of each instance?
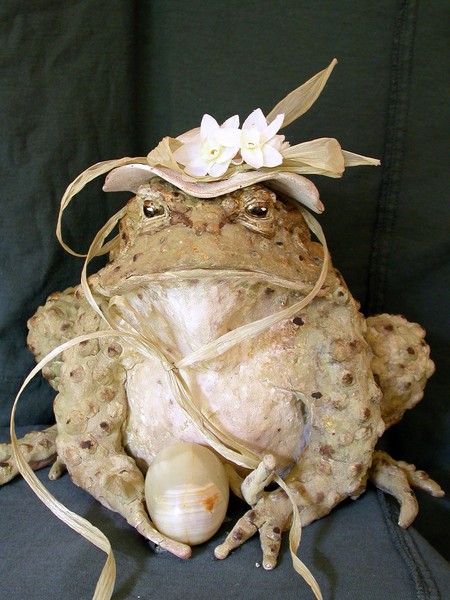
(38, 448)
(397, 478)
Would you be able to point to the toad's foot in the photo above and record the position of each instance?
(401, 363)
(116, 482)
(397, 478)
(38, 448)
(270, 515)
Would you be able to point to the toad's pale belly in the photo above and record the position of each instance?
(265, 418)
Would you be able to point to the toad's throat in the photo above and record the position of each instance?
(191, 312)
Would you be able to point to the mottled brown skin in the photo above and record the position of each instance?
(349, 377)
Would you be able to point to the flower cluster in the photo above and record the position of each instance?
(213, 152)
(215, 147)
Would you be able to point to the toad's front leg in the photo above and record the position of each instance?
(90, 411)
(39, 450)
(270, 514)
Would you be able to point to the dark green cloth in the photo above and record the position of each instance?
(83, 81)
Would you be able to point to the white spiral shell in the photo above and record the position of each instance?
(186, 490)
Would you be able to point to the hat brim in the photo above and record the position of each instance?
(129, 178)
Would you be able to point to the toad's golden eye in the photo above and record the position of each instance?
(151, 209)
(257, 210)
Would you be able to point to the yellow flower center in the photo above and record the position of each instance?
(209, 150)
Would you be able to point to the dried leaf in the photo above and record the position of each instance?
(294, 542)
(354, 160)
(163, 154)
(322, 156)
(301, 99)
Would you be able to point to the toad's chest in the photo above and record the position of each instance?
(260, 391)
(254, 410)
(244, 392)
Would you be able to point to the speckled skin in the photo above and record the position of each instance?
(327, 365)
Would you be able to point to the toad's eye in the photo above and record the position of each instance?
(151, 209)
(257, 210)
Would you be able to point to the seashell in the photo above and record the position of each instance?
(187, 491)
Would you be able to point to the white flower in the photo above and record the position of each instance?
(260, 147)
(210, 152)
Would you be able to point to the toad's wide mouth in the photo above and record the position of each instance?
(107, 285)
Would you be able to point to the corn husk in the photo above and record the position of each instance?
(80, 182)
(300, 100)
(355, 160)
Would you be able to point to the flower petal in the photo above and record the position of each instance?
(232, 122)
(271, 156)
(229, 137)
(255, 119)
(227, 154)
(278, 142)
(197, 168)
(208, 127)
(217, 170)
(253, 157)
(271, 129)
(186, 153)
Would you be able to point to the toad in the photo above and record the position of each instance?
(314, 391)
(219, 320)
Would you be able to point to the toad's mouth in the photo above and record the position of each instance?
(213, 309)
(107, 285)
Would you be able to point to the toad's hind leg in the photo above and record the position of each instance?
(401, 363)
(397, 478)
(90, 410)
